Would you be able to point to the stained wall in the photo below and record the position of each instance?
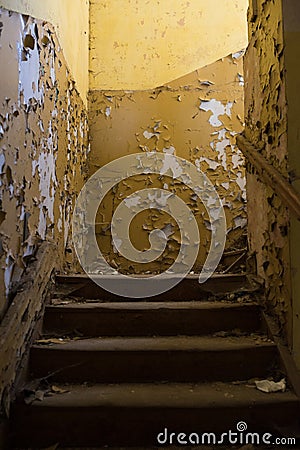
(43, 146)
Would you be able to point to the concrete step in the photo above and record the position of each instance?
(135, 414)
(149, 318)
(188, 289)
(146, 359)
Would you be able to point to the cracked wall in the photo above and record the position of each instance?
(195, 117)
(266, 128)
(43, 146)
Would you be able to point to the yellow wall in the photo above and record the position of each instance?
(267, 129)
(139, 44)
(71, 21)
(196, 118)
(43, 146)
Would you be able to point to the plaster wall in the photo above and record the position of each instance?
(138, 44)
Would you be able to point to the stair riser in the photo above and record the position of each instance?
(122, 366)
(41, 427)
(186, 290)
(149, 323)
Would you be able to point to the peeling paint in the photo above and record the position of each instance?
(2, 162)
(238, 55)
(266, 128)
(29, 64)
(241, 80)
(43, 147)
(47, 185)
(149, 135)
(168, 119)
(218, 109)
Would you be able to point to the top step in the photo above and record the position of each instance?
(187, 289)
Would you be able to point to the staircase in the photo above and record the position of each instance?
(111, 372)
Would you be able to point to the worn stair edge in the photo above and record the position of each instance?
(134, 414)
(153, 318)
(156, 343)
(80, 277)
(151, 359)
(142, 305)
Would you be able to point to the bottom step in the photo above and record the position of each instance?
(146, 414)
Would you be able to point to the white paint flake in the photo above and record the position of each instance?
(46, 169)
(238, 55)
(169, 151)
(2, 162)
(217, 108)
(241, 80)
(210, 162)
(149, 135)
(241, 181)
(29, 68)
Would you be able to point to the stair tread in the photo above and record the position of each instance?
(172, 395)
(99, 306)
(157, 343)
